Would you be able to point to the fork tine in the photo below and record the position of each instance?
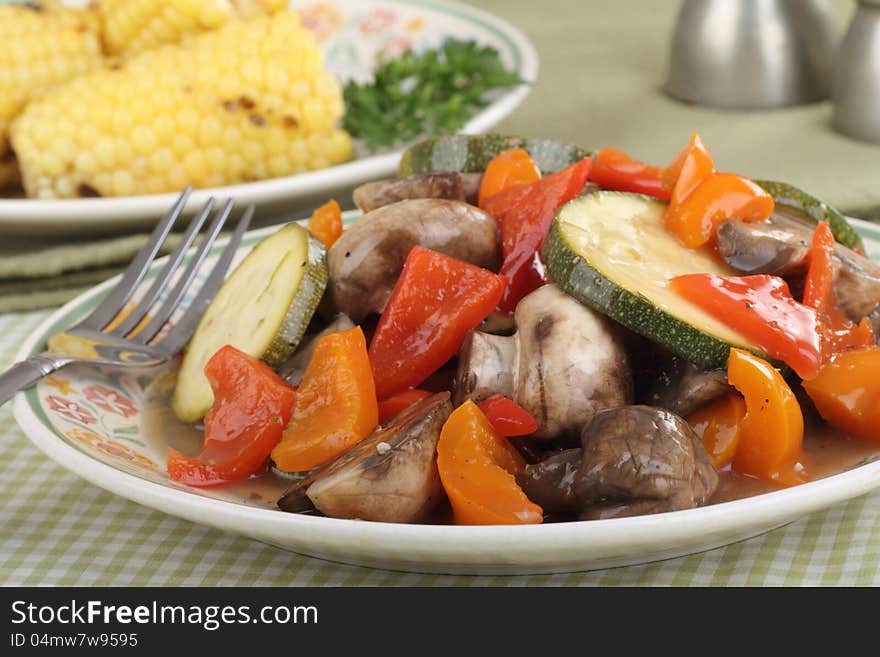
(170, 305)
(121, 293)
(164, 277)
(183, 330)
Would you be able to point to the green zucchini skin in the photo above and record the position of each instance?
(472, 153)
(808, 207)
(305, 303)
(573, 274)
(290, 266)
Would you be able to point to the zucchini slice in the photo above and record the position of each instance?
(471, 153)
(797, 203)
(262, 309)
(611, 251)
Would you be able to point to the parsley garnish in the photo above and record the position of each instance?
(431, 93)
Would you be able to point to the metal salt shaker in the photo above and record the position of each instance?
(752, 54)
(856, 80)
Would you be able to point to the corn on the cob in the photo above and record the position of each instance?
(132, 26)
(248, 101)
(40, 45)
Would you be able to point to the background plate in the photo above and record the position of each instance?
(351, 32)
(111, 427)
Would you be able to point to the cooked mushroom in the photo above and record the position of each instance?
(366, 261)
(389, 476)
(551, 483)
(781, 246)
(683, 388)
(564, 363)
(641, 459)
(293, 368)
(373, 195)
(470, 185)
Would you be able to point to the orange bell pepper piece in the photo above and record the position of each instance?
(702, 198)
(718, 426)
(846, 392)
(509, 168)
(335, 406)
(720, 197)
(690, 167)
(393, 406)
(772, 431)
(477, 469)
(325, 223)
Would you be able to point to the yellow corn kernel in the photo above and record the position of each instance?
(198, 121)
(133, 26)
(41, 44)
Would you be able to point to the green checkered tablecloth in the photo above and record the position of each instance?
(57, 529)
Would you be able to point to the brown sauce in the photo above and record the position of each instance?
(827, 452)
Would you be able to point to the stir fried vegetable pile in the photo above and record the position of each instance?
(518, 331)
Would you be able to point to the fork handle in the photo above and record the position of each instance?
(24, 374)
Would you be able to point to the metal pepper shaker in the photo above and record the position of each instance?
(752, 54)
(856, 79)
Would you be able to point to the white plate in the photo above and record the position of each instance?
(107, 427)
(351, 32)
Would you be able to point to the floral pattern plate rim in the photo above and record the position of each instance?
(92, 423)
(351, 32)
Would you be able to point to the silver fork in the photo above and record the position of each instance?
(130, 340)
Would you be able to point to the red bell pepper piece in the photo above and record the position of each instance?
(763, 310)
(252, 405)
(836, 331)
(615, 170)
(818, 292)
(524, 214)
(507, 417)
(436, 301)
(395, 405)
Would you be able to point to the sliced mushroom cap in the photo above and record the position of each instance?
(781, 246)
(365, 263)
(564, 364)
(551, 483)
(377, 194)
(641, 459)
(765, 247)
(683, 388)
(470, 184)
(389, 476)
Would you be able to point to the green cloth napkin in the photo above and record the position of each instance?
(40, 277)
